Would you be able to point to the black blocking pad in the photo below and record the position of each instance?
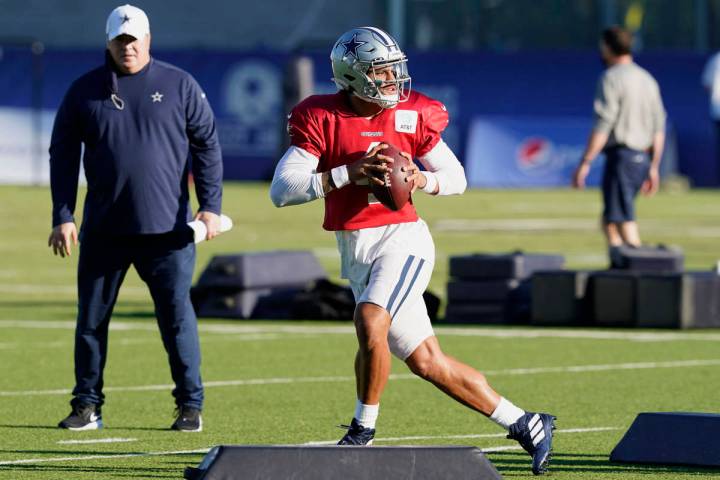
(671, 438)
(514, 265)
(560, 297)
(650, 259)
(262, 270)
(228, 462)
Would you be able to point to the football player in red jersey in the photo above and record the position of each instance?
(388, 256)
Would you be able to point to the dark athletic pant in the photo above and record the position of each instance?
(165, 263)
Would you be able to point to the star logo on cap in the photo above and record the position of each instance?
(352, 45)
(156, 97)
(125, 19)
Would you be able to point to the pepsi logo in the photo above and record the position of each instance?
(534, 153)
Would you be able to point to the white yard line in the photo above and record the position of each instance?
(389, 439)
(97, 457)
(33, 288)
(145, 341)
(441, 330)
(514, 225)
(467, 436)
(502, 448)
(558, 225)
(96, 440)
(407, 376)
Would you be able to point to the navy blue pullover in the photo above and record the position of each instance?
(136, 158)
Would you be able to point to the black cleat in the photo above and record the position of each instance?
(83, 417)
(534, 432)
(188, 420)
(357, 434)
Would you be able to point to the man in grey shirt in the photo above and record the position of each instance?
(630, 129)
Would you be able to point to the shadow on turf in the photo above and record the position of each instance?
(138, 314)
(44, 302)
(47, 427)
(114, 427)
(89, 452)
(147, 429)
(511, 463)
(115, 471)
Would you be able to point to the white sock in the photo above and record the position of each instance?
(506, 413)
(366, 415)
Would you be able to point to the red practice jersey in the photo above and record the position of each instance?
(326, 126)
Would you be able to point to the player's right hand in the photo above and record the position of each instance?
(61, 238)
(371, 167)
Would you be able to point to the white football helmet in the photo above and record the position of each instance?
(355, 56)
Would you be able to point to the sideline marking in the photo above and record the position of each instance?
(124, 342)
(471, 436)
(97, 440)
(402, 376)
(511, 333)
(205, 450)
(532, 225)
(33, 288)
(96, 457)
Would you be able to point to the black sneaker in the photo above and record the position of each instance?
(188, 420)
(534, 432)
(83, 417)
(357, 434)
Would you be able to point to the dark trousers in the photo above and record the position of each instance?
(165, 263)
(625, 171)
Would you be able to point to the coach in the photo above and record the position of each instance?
(630, 128)
(140, 121)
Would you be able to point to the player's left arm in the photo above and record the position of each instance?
(443, 175)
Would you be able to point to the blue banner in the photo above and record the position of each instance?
(537, 151)
(534, 96)
(527, 151)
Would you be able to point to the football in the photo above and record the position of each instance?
(394, 193)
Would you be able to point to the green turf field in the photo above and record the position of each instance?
(292, 383)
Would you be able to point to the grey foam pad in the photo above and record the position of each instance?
(346, 462)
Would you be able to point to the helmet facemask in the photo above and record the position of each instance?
(373, 89)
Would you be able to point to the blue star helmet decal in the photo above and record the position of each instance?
(125, 19)
(352, 45)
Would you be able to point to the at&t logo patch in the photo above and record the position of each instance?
(406, 121)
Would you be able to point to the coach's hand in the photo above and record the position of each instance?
(581, 173)
(212, 223)
(651, 185)
(372, 166)
(61, 237)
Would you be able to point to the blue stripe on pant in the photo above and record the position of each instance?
(165, 263)
(409, 288)
(392, 308)
(399, 284)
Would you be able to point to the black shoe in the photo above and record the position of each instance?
(357, 434)
(188, 420)
(534, 432)
(83, 417)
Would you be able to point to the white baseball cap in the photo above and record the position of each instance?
(128, 20)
